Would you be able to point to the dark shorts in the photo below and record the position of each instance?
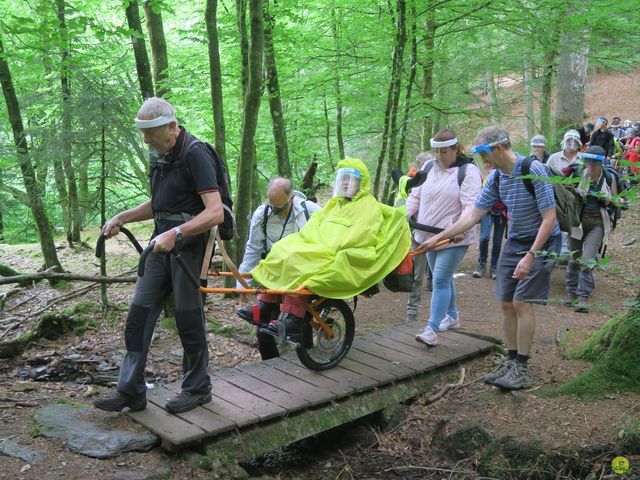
(534, 288)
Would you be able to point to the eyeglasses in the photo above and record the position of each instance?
(281, 207)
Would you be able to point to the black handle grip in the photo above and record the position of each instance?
(143, 258)
(127, 232)
(185, 268)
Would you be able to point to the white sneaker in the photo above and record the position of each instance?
(449, 323)
(427, 336)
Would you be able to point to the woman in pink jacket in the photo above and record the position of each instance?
(439, 202)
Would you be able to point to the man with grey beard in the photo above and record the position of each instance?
(185, 204)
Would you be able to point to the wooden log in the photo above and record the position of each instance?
(50, 275)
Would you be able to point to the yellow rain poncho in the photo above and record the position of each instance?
(345, 248)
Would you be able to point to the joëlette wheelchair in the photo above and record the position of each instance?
(329, 324)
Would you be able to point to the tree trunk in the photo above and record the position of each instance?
(158, 46)
(1, 226)
(139, 50)
(26, 166)
(572, 81)
(492, 94)
(413, 68)
(335, 29)
(427, 75)
(215, 72)
(275, 101)
(249, 125)
(398, 57)
(529, 114)
(550, 55)
(217, 104)
(327, 131)
(74, 218)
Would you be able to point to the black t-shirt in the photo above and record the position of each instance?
(176, 186)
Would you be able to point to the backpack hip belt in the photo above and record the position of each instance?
(172, 217)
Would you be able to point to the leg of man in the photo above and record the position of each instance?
(148, 301)
(499, 224)
(572, 271)
(485, 233)
(190, 322)
(413, 300)
(591, 242)
(526, 322)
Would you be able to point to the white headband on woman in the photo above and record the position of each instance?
(443, 144)
(154, 122)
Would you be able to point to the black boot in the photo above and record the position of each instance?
(186, 401)
(289, 325)
(267, 345)
(262, 312)
(120, 401)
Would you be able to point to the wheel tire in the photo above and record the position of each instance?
(317, 352)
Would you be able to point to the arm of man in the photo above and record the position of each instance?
(136, 214)
(212, 215)
(546, 227)
(461, 226)
(255, 244)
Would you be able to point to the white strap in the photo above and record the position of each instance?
(444, 143)
(154, 122)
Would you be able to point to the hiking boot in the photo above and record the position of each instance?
(570, 301)
(262, 312)
(480, 271)
(494, 273)
(290, 325)
(119, 401)
(186, 401)
(429, 284)
(583, 305)
(449, 323)
(517, 377)
(504, 365)
(428, 337)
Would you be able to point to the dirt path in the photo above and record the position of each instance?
(556, 422)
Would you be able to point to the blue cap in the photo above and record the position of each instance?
(349, 171)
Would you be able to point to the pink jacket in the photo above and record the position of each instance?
(440, 202)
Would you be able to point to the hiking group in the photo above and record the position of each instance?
(352, 243)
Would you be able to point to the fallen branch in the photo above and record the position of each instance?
(5, 296)
(47, 275)
(446, 388)
(69, 295)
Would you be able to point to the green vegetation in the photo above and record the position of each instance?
(216, 327)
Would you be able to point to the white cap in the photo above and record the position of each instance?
(538, 141)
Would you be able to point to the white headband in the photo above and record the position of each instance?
(154, 122)
(445, 143)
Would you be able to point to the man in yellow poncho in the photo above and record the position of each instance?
(344, 249)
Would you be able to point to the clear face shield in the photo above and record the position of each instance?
(487, 148)
(347, 183)
(571, 145)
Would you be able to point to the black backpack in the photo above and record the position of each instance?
(227, 229)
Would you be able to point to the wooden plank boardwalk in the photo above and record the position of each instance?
(278, 390)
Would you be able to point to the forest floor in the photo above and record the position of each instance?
(363, 450)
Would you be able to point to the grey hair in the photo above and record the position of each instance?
(494, 134)
(155, 107)
(281, 183)
(422, 158)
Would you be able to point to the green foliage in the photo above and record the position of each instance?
(168, 324)
(85, 316)
(630, 436)
(219, 329)
(614, 351)
(33, 430)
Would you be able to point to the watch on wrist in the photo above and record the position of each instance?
(179, 233)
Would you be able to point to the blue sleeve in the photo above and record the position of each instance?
(489, 193)
(544, 190)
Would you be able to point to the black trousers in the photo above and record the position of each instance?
(162, 276)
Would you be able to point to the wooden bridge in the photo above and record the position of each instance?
(260, 407)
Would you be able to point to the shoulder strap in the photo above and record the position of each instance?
(265, 218)
(306, 210)
(462, 171)
(526, 170)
